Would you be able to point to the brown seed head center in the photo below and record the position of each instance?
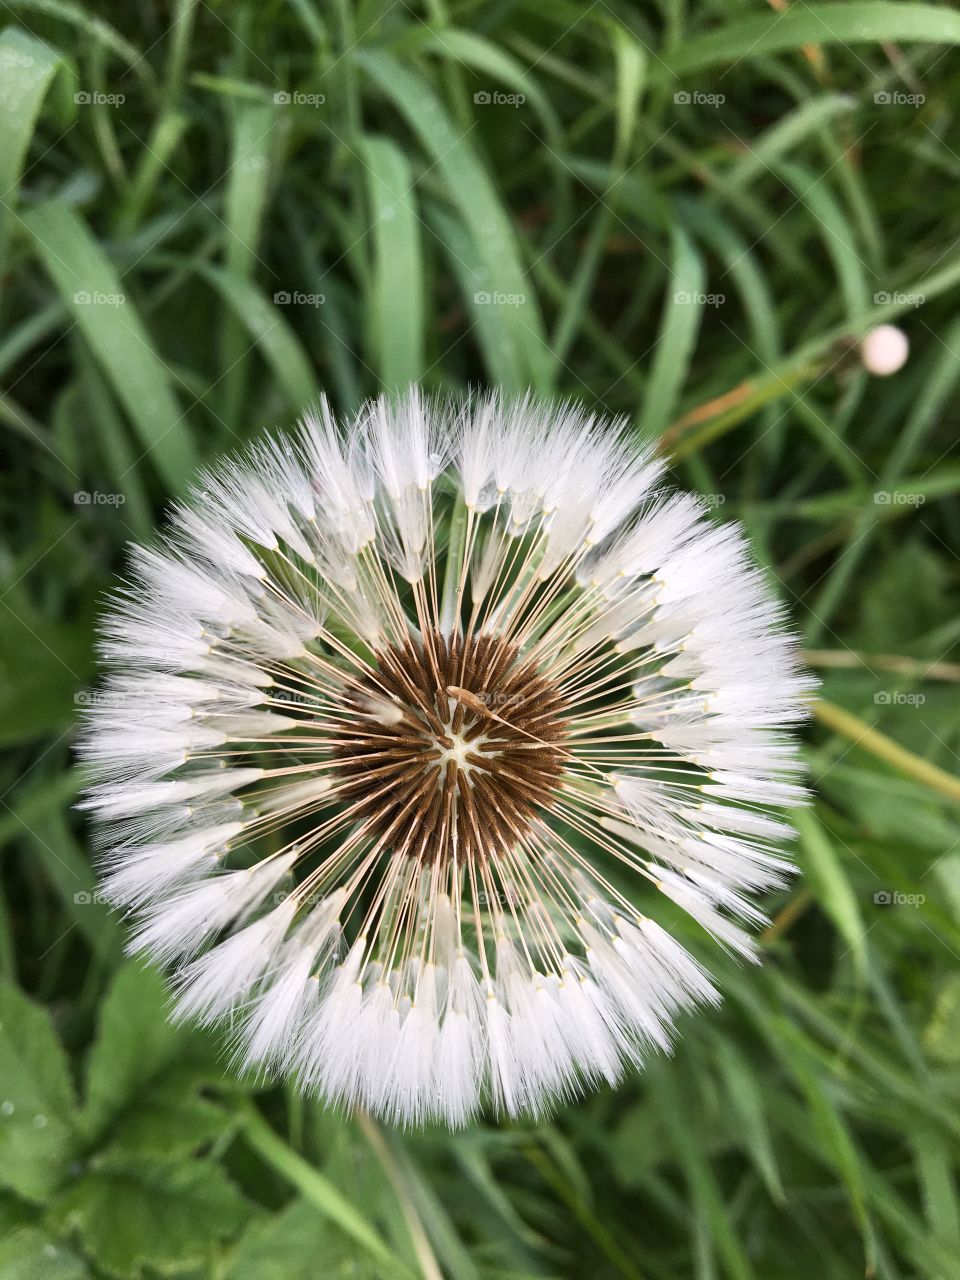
(452, 747)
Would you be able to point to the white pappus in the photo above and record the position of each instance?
(390, 710)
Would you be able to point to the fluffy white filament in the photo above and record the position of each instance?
(246, 644)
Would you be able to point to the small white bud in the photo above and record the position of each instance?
(884, 350)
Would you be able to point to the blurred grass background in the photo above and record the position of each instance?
(685, 213)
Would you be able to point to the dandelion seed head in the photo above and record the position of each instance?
(390, 712)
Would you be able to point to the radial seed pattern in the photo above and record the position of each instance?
(456, 747)
(395, 717)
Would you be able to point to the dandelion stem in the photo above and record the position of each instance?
(878, 744)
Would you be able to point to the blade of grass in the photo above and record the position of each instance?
(483, 215)
(254, 141)
(271, 333)
(320, 1191)
(823, 869)
(475, 51)
(602, 1238)
(794, 127)
(848, 24)
(501, 356)
(27, 70)
(937, 385)
(100, 33)
(154, 160)
(677, 335)
(400, 1182)
(806, 363)
(115, 334)
(396, 305)
(747, 1099)
(837, 234)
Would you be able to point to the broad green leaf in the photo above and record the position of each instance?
(34, 798)
(42, 664)
(396, 304)
(135, 1062)
(93, 294)
(67, 867)
(634, 1142)
(37, 1102)
(294, 1244)
(29, 1253)
(171, 1117)
(906, 597)
(132, 1213)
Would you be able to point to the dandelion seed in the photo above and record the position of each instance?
(391, 711)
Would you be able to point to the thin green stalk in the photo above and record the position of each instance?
(878, 744)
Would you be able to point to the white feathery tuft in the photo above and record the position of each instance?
(391, 708)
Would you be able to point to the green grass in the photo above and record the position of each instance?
(149, 234)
